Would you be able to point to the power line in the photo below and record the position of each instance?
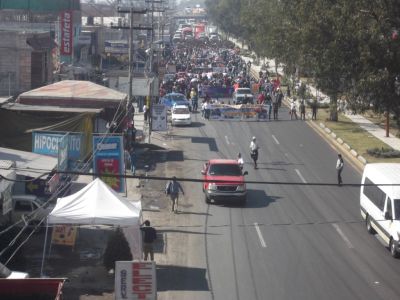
(188, 179)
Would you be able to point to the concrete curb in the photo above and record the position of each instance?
(339, 144)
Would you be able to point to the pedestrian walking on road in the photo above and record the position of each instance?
(293, 111)
(149, 235)
(339, 168)
(302, 110)
(254, 151)
(314, 107)
(240, 161)
(172, 189)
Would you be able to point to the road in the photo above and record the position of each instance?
(289, 241)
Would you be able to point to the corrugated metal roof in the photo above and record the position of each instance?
(23, 107)
(28, 161)
(73, 93)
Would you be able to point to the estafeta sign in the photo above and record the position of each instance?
(66, 32)
(135, 280)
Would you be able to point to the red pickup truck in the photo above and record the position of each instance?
(229, 181)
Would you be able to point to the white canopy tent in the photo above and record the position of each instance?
(98, 204)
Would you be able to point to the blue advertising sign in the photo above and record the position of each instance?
(63, 153)
(108, 158)
(46, 143)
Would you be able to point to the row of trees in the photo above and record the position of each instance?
(349, 48)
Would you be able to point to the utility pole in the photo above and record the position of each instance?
(130, 44)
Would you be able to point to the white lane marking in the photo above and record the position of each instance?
(275, 139)
(301, 176)
(227, 140)
(263, 244)
(343, 236)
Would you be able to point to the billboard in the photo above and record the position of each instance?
(66, 33)
(47, 143)
(108, 153)
(135, 280)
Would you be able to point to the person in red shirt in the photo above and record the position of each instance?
(261, 98)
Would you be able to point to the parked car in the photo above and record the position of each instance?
(29, 206)
(380, 204)
(180, 115)
(241, 94)
(171, 99)
(230, 183)
(6, 273)
(168, 77)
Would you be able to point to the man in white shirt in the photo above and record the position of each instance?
(254, 151)
(240, 161)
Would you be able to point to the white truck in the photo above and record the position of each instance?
(29, 206)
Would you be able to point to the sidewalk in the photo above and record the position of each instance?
(364, 123)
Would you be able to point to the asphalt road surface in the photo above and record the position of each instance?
(289, 241)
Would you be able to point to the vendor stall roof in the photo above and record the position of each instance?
(45, 108)
(28, 163)
(73, 93)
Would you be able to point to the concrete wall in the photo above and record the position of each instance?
(14, 63)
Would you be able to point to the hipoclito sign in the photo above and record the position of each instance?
(66, 32)
(135, 280)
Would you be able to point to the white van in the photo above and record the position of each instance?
(380, 204)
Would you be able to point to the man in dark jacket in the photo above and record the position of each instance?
(149, 235)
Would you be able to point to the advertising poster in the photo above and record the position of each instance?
(159, 117)
(135, 280)
(47, 143)
(64, 235)
(63, 153)
(108, 159)
(66, 33)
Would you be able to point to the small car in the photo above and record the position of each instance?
(229, 181)
(241, 94)
(180, 115)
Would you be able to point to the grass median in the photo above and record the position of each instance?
(352, 134)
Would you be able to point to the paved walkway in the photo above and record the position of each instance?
(364, 123)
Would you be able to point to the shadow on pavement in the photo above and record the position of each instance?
(255, 199)
(179, 278)
(206, 140)
(258, 198)
(197, 124)
(148, 160)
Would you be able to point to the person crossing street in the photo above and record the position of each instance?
(172, 189)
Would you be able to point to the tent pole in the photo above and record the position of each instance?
(44, 248)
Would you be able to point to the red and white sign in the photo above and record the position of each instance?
(66, 32)
(135, 280)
